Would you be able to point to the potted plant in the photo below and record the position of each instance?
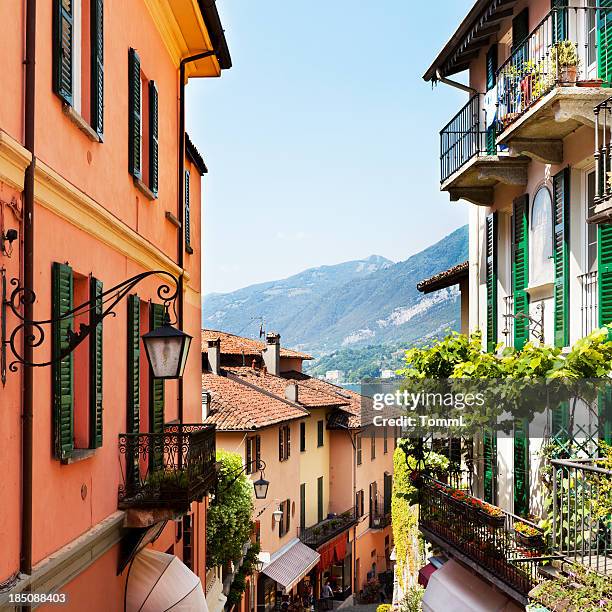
(565, 57)
(492, 515)
(528, 536)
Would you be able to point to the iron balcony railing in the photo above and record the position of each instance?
(380, 513)
(462, 138)
(170, 469)
(328, 528)
(603, 151)
(469, 535)
(508, 331)
(539, 63)
(582, 512)
(589, 311)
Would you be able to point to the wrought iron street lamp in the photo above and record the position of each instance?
(260, 485)
(166, 347)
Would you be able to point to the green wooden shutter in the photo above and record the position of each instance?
(490, 464)
(153, 138)
(63, 34)
(561, 209)
(320, 499)
(520, 269)
(133, 364)
(156, 385)
(95, 368)
(604, 41)
(560, 424)
(134, 117)
(521, 468)
(491, 66)
(63, 375)
(491, 271)
(559, 17)
(604, 271)
(520, 28)
(97, 66)
(187, 216)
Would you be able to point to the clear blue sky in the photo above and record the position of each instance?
(322, 140)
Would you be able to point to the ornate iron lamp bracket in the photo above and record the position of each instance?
(105, 303)
(536, 326)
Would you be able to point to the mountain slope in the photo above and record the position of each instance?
(359, 303)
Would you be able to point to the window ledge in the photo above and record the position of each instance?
(81, 123)
(79, 454)
(142, 187)
(541, 291)
(172, 218)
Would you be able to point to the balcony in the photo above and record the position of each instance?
(380, 518)
(540, 101)
(490, 547)
(470, 162)
(328, 528)
(165, 472)
(582, 512)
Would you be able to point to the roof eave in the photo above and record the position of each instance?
(210, 14)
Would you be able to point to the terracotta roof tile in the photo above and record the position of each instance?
(309, 396)
(236, 406)
(448, 278)
(238, 345)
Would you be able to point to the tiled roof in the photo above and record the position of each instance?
(350, 413)
(236, 406)
(237, 345)
(448, 278)
(309, 396)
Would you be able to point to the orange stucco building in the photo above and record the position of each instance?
(329, 483)
(99, 184)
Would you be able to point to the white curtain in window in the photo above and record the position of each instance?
(541, 239)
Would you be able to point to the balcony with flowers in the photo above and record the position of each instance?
(506, 549)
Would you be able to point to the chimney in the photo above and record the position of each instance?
(291, 392)
(214, 355)
(271, 354)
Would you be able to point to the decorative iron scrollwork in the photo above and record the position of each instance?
(110, 298)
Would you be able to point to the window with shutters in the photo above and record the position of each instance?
(320, 431)
(358, 449)
(303, 506)
(372, 446)
(253, 453)
(77, 377)
(143, 128)
(359, 507)
(319, 499)
(187, 215)
(285, 522)
(156, 317)
(385, 440)
(541, 239)
(591, 228)
(284, 443)
(78, 61)
(302, 437)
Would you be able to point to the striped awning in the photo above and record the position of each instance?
(292, 565)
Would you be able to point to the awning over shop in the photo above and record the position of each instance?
(292, 565)
(332, 552)
(453, 587)
(158, 581)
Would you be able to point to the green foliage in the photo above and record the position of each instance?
(246, 569)
(229, 516)
(404, 512)
(580, 589)
(412, 599)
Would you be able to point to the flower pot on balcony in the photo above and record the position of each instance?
(567, 75)
(590, 83)
(492, 520)
(533, 542)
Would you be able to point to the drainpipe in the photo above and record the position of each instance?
(181, 198)
(28, 283)
(455, 84)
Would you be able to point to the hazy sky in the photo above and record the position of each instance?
(322, 140)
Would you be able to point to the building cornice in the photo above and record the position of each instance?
(55, 193)
(14, 159)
